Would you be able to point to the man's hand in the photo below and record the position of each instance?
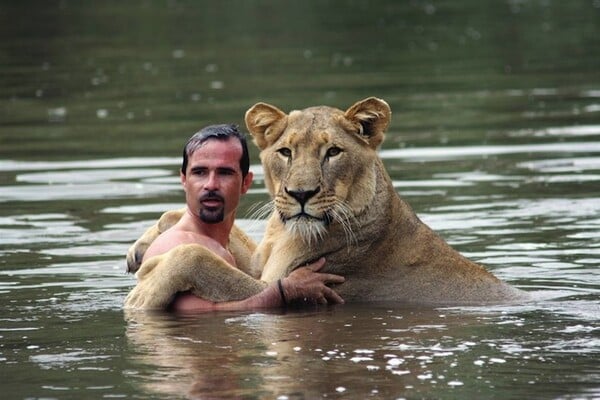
(307, 285)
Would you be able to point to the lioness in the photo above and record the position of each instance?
(333, 197)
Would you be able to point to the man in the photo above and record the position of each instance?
(214, 175)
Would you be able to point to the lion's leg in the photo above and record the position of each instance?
(194, 268)
(242, 247)
(136, 252)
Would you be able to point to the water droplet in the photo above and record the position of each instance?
(359, 359)
(404, 372)
(395, 361)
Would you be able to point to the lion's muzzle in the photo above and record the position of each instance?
(302, 196)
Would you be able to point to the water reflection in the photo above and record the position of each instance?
(412, 352)
(282, 345)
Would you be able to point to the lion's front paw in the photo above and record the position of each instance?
(136, 252)
(134, 257)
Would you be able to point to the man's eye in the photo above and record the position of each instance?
(284, 151)
(333, 151)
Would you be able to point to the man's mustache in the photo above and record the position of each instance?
(212, 195)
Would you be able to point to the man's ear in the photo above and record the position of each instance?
(371, 116)
(247, 182)
(182, 178)
(265, 123)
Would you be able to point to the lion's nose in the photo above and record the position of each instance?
(302, 196)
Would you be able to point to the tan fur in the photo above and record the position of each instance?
(190, 268)
(327, 159)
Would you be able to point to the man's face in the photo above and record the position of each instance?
(213, 181)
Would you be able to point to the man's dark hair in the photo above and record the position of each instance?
(218, 132)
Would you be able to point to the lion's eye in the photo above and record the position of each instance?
(333, 151)
(284, 151)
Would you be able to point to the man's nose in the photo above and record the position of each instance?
(212, 183)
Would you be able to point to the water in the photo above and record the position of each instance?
(495, 141)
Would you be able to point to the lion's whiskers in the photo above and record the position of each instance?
(311, 232)
(261, 210)
(344, 216)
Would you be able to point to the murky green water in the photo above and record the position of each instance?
(495, 141)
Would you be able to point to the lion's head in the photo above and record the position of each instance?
(319, 162)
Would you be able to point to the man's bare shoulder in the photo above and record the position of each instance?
(169, 239)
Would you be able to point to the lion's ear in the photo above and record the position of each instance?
(372, 115)
(265, 123)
